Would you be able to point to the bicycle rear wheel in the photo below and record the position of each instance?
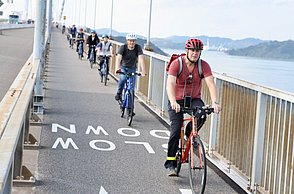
(197, 167)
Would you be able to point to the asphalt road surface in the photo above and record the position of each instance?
(86, 147)
(16, 46)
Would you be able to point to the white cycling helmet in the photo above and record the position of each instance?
(131, 36)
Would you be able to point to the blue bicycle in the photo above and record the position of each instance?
(80, 49)
(92, 55)
(104, 69)
(127, 101)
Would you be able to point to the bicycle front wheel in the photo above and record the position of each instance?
(130, 112)
(197, 167)
(105, 79)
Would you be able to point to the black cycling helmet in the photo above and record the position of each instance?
(104, 36)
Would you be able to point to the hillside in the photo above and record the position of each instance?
(178, 42)
(270, 50)
(213, 43)
(120, 37)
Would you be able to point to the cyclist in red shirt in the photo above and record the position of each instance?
(186, 87)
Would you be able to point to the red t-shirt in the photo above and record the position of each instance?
(193, 88)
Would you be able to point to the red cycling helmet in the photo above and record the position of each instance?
(81, 29)
(194, 43)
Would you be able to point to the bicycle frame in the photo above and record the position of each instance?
(104, 66)
(92, 53)
(185, 154)
(194, 133)
(129, 86)
(80, 48)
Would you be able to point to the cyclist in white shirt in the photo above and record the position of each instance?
(104, 48)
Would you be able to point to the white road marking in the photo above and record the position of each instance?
(71, 129)
(64, 145)
(186, 191)
(154, 134)
(121, 132)
(102, 191)
(96, 131)
(146, 144)
(93, 145)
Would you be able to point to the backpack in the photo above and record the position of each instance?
(179, 57)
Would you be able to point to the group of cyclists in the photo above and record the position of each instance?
(101, 48)
(180, 87)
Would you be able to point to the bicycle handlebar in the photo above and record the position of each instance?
(105, 56)
(197, 110)
(129, 74)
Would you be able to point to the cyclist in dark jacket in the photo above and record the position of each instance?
(92, 40)
(80, 38)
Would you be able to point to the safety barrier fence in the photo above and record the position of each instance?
(14, 26)
(15, 114)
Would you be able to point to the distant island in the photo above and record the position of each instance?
(269, 50)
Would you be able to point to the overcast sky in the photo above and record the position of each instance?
(236, 19)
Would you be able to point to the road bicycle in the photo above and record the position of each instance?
(104, 69)
(127, 100)
(92, 55)
(192, 150)
(63, 30)
(80, 49)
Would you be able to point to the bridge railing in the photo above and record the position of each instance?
(14, 26)
(15, 114)
(251, 140)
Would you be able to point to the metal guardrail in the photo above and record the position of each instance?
(15, 26)
(15, 112)
(251, 140)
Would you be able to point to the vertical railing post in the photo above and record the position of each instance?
(150, 81)
(85, 23)
(94, 27)
(148, 46)
(111, 18)
(17, 168)
(27, 123)
(49, 21)
(138, 80)
(258, 141)
(164, 89)
(213, 126)
(38, 51)
(8, 184)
